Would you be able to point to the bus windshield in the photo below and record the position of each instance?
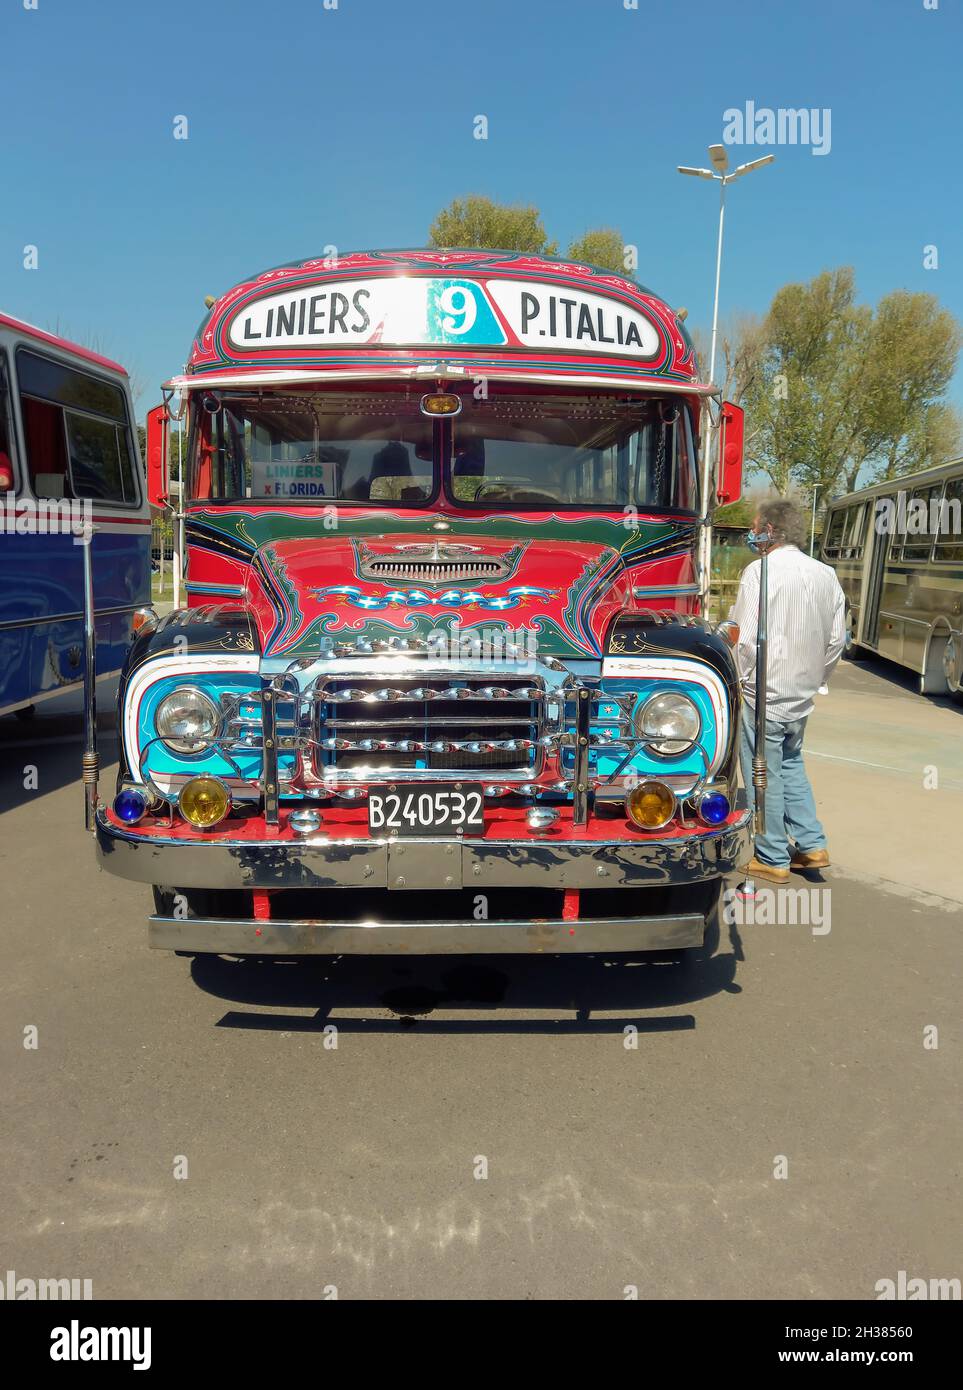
(596, 451)
(313, 449)
(499, 453)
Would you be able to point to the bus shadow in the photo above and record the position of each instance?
(425, 994)
(898, 679)
(43, 755)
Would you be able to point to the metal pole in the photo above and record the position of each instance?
(762, 664)
(176, 531)
(180, 492)
(812, 529)
(715, 302)
(91, 758)
(711, 435)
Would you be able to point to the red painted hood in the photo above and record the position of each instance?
(302, 590)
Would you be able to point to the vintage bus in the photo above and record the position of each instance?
(897, 548)
(442, 684)
(70, 474)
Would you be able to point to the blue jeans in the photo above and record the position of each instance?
(790, 806)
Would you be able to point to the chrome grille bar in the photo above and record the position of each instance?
(494, 735)
(437, 572)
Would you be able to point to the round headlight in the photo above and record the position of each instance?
(187, 720)
(669, 722)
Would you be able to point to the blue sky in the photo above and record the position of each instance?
(353, 126)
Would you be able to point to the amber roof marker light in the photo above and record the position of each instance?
(440, 403)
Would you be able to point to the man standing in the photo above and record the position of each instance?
(807, 631)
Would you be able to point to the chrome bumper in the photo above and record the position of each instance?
(444, 864)
(246, 938)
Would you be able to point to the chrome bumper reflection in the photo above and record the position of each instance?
(646, 861)
(244, 938)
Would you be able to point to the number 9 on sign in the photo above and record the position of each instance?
(458, 306)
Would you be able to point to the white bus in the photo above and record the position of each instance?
(897, 548)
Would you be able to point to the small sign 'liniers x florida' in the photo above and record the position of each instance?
(426, 310)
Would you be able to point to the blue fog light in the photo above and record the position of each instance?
(713, 808)
(130, 806)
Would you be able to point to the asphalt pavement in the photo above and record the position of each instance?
(779, 1118)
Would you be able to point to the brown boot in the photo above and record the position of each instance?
(810, 859)
(772, 873)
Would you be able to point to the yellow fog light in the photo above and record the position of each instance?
(204, 802)
(650, 805)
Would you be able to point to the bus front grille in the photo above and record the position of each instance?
(439, 724)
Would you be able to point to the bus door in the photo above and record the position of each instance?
(877, 552)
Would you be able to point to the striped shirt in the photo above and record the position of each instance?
(807, 631)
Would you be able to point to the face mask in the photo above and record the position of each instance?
(758, 541)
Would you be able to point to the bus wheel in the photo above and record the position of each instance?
(850, 651)
(26, 714)
(952, 659)
(938, 676)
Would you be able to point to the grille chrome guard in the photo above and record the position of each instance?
(283, 718)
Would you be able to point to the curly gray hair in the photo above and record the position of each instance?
(786, 519)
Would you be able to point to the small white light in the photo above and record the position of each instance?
(305, 822)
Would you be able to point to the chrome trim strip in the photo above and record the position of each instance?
(448, 366)
(68, 617)
(430, 938)
(638, 859)
(658, 590)
(904, 618)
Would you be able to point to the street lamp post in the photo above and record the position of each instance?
(721, 175)
(812, 529)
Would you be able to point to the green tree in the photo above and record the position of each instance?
(603, 247)
(477, 221)
(832, 387)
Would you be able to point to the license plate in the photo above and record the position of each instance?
(440, 809)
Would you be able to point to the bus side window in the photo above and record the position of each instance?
(6, 431)
(854, 532)
(918, 543)
(43, 428)
(77, 432)
(949, 541)
(834, 534)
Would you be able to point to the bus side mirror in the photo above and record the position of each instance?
(158, 456)
(731, 438)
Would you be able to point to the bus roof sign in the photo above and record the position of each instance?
(421, 311)
(397, 313)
